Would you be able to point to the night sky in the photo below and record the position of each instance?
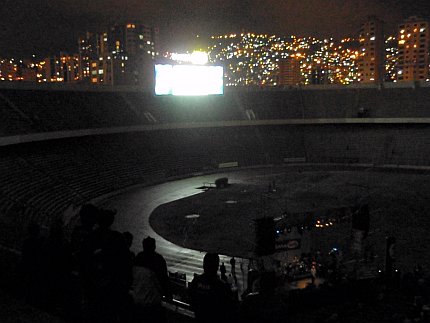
(45, 27)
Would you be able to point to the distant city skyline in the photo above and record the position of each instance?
(249, 60)
(125, 54)
(47, 27)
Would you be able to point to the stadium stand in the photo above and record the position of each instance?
(186, 135)
(67, 110)
(13, 121)
(160, 138)
(186, 109)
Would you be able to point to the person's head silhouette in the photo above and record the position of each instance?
(211, 263)
(148, 244)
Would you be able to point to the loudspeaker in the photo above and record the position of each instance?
(264, 236)
(221, 182)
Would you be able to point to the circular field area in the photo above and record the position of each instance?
(222, 220)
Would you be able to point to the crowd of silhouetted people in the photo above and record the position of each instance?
(91, 275)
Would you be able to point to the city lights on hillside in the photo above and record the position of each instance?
(255, 59)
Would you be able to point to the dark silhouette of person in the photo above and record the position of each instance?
(92, 245)
(147, 294)
(152, 260)
(57, 268)
(210, 297)
(233, 268)
(265, 305)
(82, 244)
(128, 238)
(114, 278)
(101, 235)
(233, 265)
(88, 218)
(223, 272)
(106, 271)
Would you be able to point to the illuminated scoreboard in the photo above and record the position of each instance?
(188, 80)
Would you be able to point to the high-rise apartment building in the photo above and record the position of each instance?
(122, 56)
(64, 68)
(371, 52)
(133, 39)
(133, 48)
(413, 46)
(91, 46)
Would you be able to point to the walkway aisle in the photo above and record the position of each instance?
(135, 206)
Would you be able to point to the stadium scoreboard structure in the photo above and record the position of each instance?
(189, 80)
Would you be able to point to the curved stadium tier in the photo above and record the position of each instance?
(62, 147)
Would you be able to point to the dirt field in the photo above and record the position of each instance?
(221, 220)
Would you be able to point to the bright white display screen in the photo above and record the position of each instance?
(188, 80)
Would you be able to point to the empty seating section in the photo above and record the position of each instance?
(397, 103)
(283, 143)
(11, 121)
(330, 104)
(39, 180)
(30, 111)
(273, 105)
(168, 109)
(43, 108)
(69, 110)
(110, 109)
(46, 177)
(141, 103)
(376, 144)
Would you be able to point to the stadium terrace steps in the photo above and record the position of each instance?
(11, 122)
(59, 111)
(42, 178)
